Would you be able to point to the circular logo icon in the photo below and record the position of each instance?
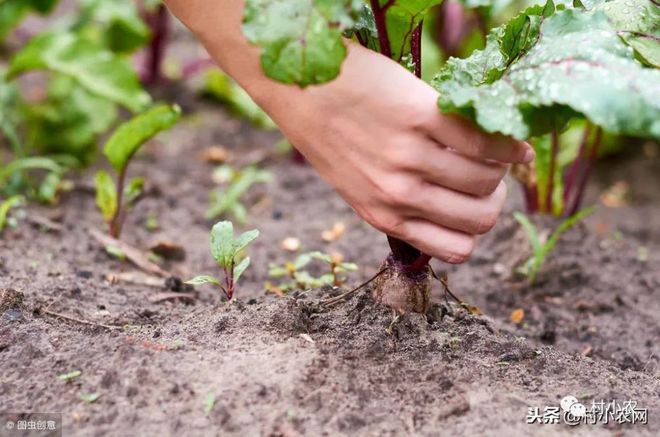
(578, 410)
(567, 402)
(10, 425)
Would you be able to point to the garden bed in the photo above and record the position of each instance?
(290, 367)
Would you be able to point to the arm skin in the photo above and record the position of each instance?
(376, 135)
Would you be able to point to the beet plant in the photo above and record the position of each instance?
(297, 275)
(226, 250)
(114, 198)
(545, 67)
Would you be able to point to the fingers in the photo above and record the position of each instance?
(438, 221)
(460, 134)
(442, 243)
(457, 211)
(449, 169)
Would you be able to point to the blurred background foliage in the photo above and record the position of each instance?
(67, 80)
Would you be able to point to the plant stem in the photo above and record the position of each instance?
(116, 223)
(416, 49)
(413, 260)
(577, 165)
(593, 156)
(531, 199)
(159, 22)
(380, 16)
(554, 151)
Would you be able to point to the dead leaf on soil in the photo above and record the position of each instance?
(277, 291)
(290, 244)
(168, 250)
(617, 195)
(330, 235)
(161, 297)
(135, 278)
(133, 254)
(517, 316)
(215, 155)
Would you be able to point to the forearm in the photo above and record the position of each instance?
(217, 24)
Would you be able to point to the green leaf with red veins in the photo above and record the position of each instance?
(402, 18)
(637, 22)
(301, 40)
(577, 66)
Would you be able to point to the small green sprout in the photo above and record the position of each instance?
(89, 398)
(114, 199)
(226, 251)
(5, 207)
(209, 403)
(542, 247)
(239, 182)
(70, 376)
(303, 280)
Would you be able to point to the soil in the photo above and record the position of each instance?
(294, 366)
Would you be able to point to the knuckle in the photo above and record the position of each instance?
(476, 144)
(389, 224)
(404, 156)
(399, 191)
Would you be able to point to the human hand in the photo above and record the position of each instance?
(377, 136)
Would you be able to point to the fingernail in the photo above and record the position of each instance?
(529, 156)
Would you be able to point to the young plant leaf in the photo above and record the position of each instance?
(240, 268)
(530, 230)
(12, 11)
(229, 200)
(106, 194)
(89, 398)
(5, 207)
(128, 137)
(200, 280)
(301, 40)
(577, 65)
(124, 29)
(245, 239)
(92, 66)
(224, 89)
(133, 189)
(69, 376)
(30, 163)
(222, 243)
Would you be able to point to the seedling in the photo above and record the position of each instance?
(545, 67)
(542, 245)
(115, 198)
(300, 278)
(226, 250)
(228, 200)
(5, 207)
(70, 376)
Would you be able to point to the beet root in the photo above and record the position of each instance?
(403, 290)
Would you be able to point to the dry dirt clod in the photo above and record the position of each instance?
(291, 244)
(216, 155)
(168, 250)
(10, 298)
